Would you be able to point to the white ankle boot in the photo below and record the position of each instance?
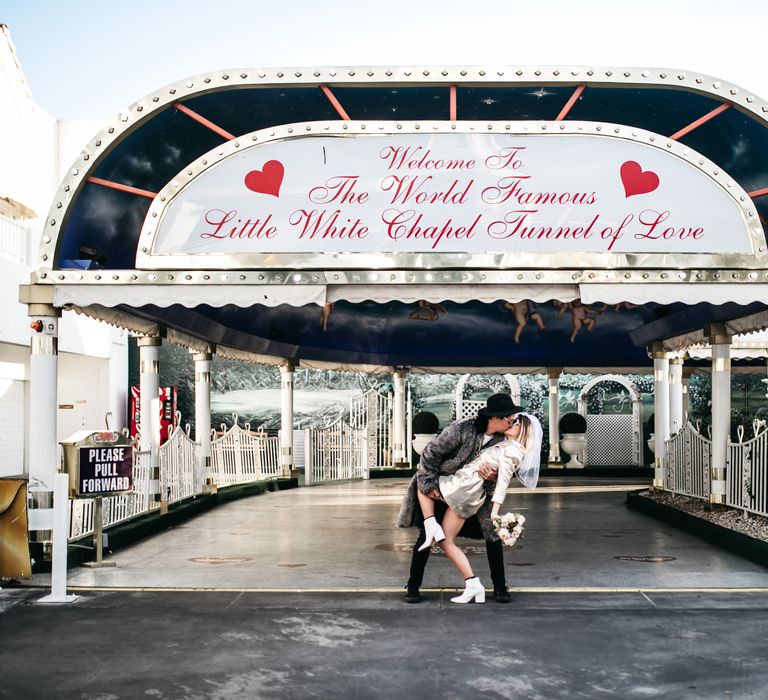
(473, 590)
(433, 532)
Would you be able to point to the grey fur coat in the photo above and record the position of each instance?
(458, 444)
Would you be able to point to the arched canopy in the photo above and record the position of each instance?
(676, 155)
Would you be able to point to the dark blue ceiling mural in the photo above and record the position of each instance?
(523, 334)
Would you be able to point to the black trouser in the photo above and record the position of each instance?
(494, 550)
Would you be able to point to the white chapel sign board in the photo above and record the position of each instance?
(449, 193)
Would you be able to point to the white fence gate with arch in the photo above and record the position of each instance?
(468, 408)
(613, 439)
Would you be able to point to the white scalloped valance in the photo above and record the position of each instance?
(187, 295)
(460, 293)
(687, 293)
(84, 295)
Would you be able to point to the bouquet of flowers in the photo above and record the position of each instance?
(509, 527)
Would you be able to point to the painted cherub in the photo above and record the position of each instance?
(523, 310)
(430, 311)
(580, 315)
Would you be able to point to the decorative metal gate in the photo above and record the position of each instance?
(372, 413)
(613, 439)
(466, 408)
(746, 473)
(240, 456)
(689, 455)
(334, 453)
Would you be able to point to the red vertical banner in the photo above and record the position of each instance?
(169, 399)
(168, 406)
(136, 413)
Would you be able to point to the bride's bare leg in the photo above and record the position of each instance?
(427, 505)
(451, 525)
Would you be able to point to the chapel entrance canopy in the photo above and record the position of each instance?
(443, 218)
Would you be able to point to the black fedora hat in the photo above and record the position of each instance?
(499, 405)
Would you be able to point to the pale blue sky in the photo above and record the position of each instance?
(90, 59)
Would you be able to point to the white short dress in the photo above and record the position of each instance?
(464, 492)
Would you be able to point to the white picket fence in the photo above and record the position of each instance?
(116, 509)
(338, 452)
(688, 465)
(240, 455)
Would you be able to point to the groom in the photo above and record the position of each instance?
(458, 444)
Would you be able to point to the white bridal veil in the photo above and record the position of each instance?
(528, 473)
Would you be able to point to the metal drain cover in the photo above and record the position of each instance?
(652, 560)
(220, 560)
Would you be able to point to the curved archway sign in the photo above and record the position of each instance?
(380, 195)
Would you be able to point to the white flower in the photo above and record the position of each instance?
(509, 527)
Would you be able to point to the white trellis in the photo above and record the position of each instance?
(689, 456)
(746, 475)
(468, 408)
(613, 439)
(240, 455)
(372, 413)
(337, 452)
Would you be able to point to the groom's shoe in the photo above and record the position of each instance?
(502, 595)
(412, 594)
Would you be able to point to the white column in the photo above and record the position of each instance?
(686, 395)
(398, 419)
(286, 416)
(660, 413)
(43, 445)
(203, 409)
(553, 375)
(721, 408)
(408, 426)
(676, 421)
(43, 369)
(149, 409)
(118, 379)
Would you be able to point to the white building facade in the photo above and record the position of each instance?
(93, 371)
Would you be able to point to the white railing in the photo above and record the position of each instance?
(746, 475)
(240, 455)
(116, 509)
(688, 463)
(13, 240)
(181, 471)
(335, 453)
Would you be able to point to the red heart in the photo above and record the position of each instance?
(636, 181)
(267, 180)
